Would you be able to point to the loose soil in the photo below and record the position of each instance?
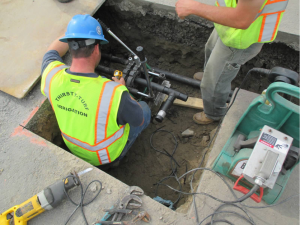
(179, 48)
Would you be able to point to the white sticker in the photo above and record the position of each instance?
(239, 168)
(98, 30)
(281, 146)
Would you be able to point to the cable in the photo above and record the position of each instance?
(232, 212)
(239, 207)
(218, 127)
(173, 165)
(81, 204)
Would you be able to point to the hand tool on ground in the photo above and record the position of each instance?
(119, 209)
(134, 190)
(47, 199)
(125, 202)
(142, 215)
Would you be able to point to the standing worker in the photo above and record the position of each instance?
(241, 28)
(98, 119)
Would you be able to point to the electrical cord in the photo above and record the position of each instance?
(218, 127)
(238, 200)
(172, 159)
(81, 204)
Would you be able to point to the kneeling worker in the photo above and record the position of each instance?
(98, 119)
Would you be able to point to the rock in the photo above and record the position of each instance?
(161, 218)
(187, 133)
(204, 141)
(108, 191)
(93, 187)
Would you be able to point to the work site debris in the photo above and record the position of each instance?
(187, 133)
(1, 170)
(108, 191)
(93, 187)
(204, 141)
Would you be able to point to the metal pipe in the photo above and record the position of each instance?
(135, 91)
(121, 42)
(179, 78)
(153, 74)
(115, 37)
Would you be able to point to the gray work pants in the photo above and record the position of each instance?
(221, 66)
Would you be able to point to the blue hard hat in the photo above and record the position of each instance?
(86, 27)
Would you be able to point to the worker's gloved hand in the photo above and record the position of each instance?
(121, 81)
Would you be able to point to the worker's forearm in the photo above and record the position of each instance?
(240, 17)
(221, 15)
(59, 46)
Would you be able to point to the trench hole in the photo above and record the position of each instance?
(178, 48)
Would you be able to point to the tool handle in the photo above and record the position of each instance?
(103, 25)
(244, 190)
(140, 53)
(280, 87)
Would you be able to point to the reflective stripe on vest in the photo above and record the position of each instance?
(221, 3)
(271, 14)
(102, 142)
(100, 148)
(106, 96)
(49, 77)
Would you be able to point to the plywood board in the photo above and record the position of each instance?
(27, 28)
(195, 103)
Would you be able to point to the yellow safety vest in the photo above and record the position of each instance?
(263, 29)
(86, 111)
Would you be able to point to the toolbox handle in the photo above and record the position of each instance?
(273, 96)
(244, 190)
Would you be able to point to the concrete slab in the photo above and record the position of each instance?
(287, 213)
(39, 163)
(27, 29)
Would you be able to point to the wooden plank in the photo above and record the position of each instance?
(27, 29)
(195, 103)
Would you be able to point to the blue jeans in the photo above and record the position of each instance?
(135, 131)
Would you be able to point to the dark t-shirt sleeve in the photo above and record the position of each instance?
(49, 57)
(129, 111)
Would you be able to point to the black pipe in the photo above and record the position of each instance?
(163, 110)
(162, 89)
(105, 69)
(114, 59)
(179, 78)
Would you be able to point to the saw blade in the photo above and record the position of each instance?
(84, 171)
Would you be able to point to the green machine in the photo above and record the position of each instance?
(264, 146)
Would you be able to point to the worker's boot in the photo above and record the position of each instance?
(198, 76)
(200, 118)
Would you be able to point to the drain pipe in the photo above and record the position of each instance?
(179, 78)
(114, 59)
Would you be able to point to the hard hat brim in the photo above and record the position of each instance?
(64, 39)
